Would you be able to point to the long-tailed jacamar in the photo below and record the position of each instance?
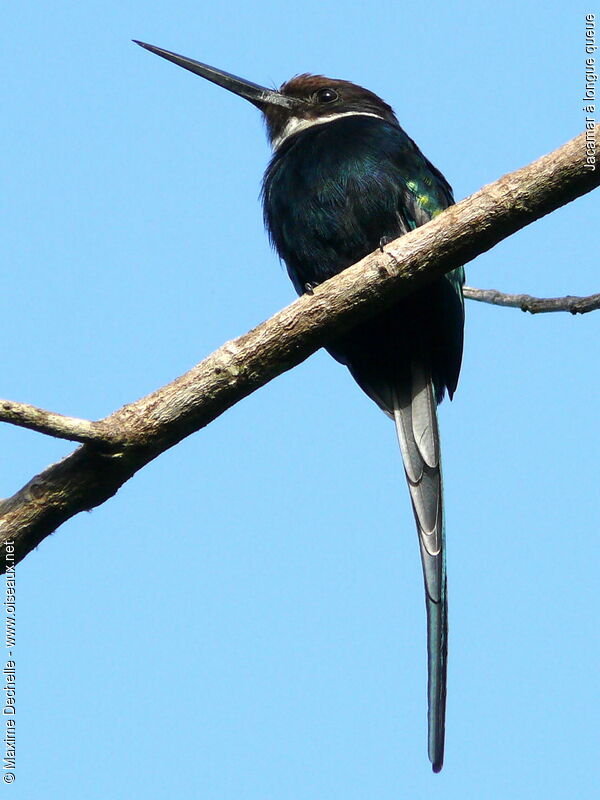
(345, 179)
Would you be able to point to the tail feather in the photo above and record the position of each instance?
(416, 424)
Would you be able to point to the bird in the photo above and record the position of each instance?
(344, 180)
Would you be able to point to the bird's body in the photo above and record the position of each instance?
(344, 180)
(332, 193)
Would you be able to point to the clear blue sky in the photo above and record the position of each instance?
(245, 619)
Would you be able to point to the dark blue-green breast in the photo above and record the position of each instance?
(331, 194)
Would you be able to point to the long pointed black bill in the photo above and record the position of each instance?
(257, 95)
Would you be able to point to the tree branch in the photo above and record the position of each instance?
(144, 429)
(53, 424)
(535, 305)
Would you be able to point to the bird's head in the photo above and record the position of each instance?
(299, 103)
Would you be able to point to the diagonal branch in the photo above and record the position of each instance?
(535, 305)
(85, 431)
(144, 429)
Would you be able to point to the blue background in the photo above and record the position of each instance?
(245, 619)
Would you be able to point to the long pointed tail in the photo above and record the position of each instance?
(416, 423)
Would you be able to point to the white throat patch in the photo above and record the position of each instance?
(296, 124)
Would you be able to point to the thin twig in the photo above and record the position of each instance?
(535, 305)
(58, 425)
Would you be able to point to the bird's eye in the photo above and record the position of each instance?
(326, 96)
